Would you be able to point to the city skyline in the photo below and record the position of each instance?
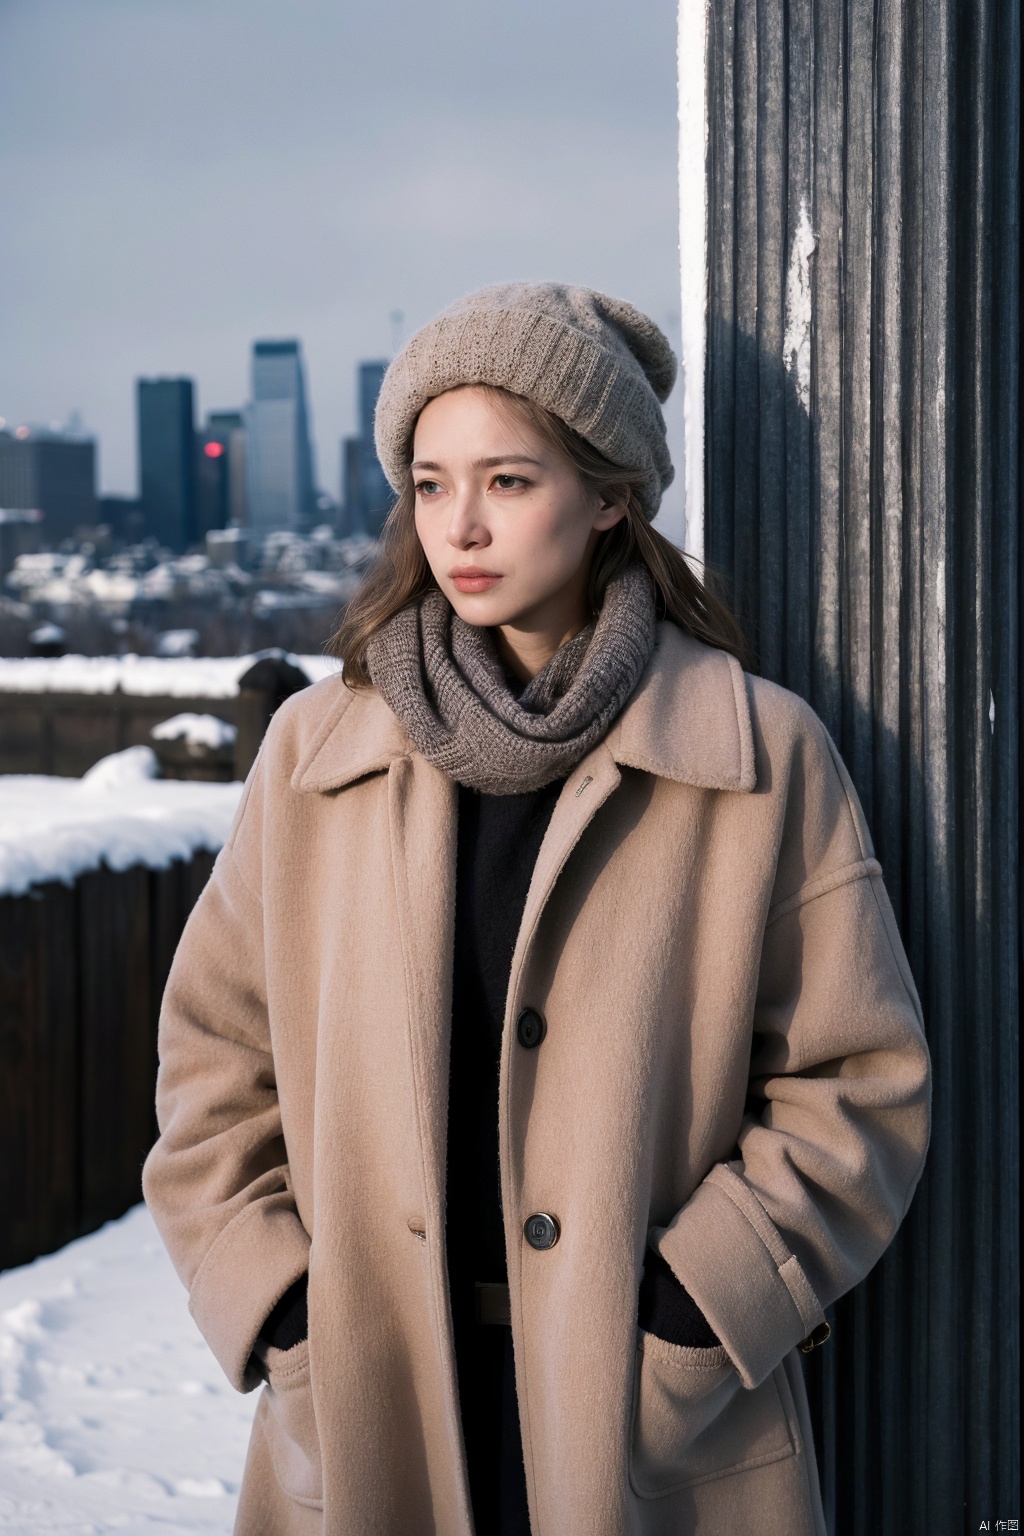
(248, 468)
(207, 420)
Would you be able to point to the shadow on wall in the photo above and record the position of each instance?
(856, 612)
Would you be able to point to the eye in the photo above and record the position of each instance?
(508, 482)
(427, 487)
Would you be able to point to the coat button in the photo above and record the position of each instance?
(541, 1230)
(530, 1028)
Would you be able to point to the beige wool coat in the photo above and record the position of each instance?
(734, 1066)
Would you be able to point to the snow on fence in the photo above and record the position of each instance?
(60, 715)
(97, 878)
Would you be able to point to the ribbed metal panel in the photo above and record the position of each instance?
(862, 495)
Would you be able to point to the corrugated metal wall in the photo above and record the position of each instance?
(862, 485)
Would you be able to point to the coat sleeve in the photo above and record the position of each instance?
(836, 1127)
(217, 1180)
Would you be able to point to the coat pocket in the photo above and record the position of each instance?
(693, 1420)
(291, 1430)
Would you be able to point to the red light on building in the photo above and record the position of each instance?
(214, 450)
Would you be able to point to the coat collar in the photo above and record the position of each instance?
(688, 719)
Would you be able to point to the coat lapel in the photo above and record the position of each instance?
(689, 717)
(584, 792)
(688, 720)
(358, 735)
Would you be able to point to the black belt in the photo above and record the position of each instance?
(493, 1305)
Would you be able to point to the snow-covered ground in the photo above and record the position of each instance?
(118, 814)
(114, 1415)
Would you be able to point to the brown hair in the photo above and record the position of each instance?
(400, 574)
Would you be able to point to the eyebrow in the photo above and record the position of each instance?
(506, 458)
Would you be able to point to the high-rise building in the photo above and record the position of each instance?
(167, 471)
(365, 493)
(20, 534)
(220, 472)
(229, 428)
(51, 473)
(279, 459)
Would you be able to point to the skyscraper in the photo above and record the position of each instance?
(220, 472)
(167, 460)
(279, 459)
(365, 493)
(51, 473)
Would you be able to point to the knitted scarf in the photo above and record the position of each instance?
(444, 680)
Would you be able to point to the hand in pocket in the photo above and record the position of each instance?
(693, 1420)
(291, 1424)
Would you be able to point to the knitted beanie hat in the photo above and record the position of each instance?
(595, 362)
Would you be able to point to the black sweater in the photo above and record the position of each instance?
(498, 841)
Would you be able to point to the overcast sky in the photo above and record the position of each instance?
(179, 177)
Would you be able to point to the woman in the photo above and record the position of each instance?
(542, 1058)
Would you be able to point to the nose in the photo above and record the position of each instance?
(466, 526)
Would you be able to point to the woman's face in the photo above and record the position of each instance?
(506, 524)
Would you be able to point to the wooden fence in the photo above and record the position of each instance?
(82, 971)
(66, 733)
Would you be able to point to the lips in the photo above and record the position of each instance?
(472, 579)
